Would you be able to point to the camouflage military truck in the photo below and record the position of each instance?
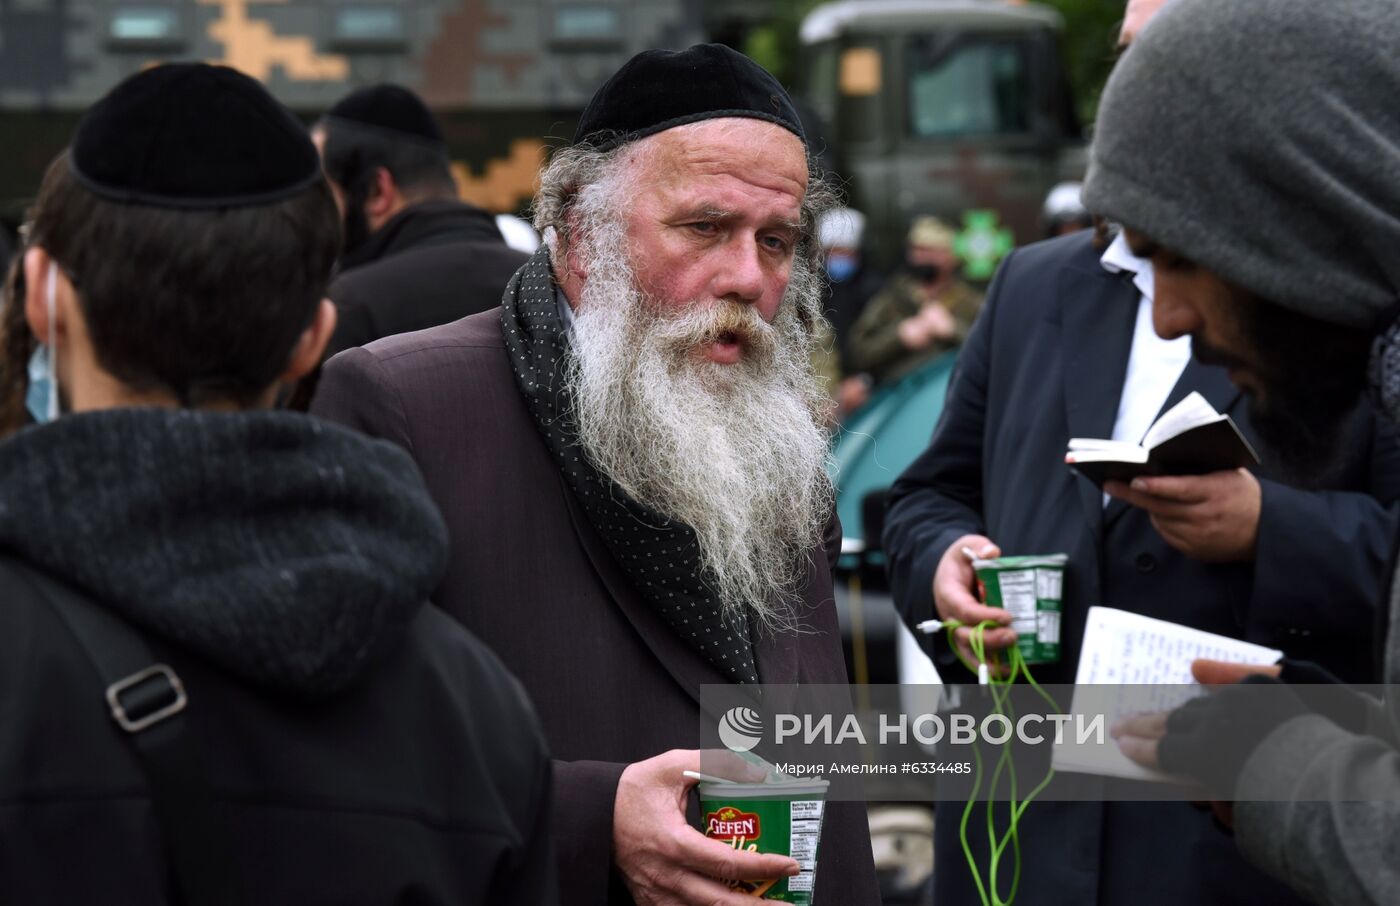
(944, 107)
(508, 77)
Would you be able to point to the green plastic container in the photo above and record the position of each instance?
(783, 818)
(1030, 588)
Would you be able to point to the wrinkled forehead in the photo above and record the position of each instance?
(763, 154)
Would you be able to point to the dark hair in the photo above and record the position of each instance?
(353, 151)
(16, 346)
(205, 304)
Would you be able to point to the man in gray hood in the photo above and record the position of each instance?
(1252, 150)
(289, 722)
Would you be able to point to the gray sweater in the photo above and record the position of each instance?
(1337, 837)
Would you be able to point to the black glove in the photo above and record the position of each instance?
(1210, 738)
(1325, 694)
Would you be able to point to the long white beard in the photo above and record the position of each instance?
(736, 452)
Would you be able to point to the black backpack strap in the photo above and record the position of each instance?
(147, 702)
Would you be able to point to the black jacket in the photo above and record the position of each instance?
(1045, 362)
(613, 682)
(361, 746)
(433, 263)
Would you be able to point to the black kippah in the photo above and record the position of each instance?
(389, 107)
(660, 89)
(191, 135)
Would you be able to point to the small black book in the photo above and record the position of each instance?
(1190, 438)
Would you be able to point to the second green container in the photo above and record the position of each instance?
(1031, 589)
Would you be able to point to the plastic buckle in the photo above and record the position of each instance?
(140, 722)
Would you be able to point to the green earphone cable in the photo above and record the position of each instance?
(988, 893)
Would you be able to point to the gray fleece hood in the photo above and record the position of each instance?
(1261, 139)
(286, 550)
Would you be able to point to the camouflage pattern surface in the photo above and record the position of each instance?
(508, 77)
(478, 54)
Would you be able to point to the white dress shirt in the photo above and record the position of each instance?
(1154, 364)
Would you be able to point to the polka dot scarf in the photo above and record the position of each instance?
(659, 555)
(1384, 373)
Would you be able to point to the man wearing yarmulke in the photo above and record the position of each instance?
(415, 256)
(1274, 244)
(219, 678)
(631, 458)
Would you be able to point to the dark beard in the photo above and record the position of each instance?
(1313, 377)
(357, 232)
(1303, 444)
(354, 226)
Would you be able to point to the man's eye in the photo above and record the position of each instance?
(1170, 261)
(704, 227)
(777, 243)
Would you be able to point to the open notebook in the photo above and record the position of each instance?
(1132, 664)
(1190, 438)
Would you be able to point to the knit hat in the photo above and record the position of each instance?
(660, 89)
(1261, 140)
(191, 135)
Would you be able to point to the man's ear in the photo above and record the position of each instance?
(573, 261)
(36, 286)
(306, 354)
(384, 196)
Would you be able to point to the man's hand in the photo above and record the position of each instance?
(1208, 740)
(1224, 673)
(1214, 518)
(665, 861)
(939, 322)
(1138, 736)
(955, 596)
(914, 333)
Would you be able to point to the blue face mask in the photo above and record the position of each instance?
(42, 398)
(841, 268)
(40, 386)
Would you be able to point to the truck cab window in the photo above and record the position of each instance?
(960, 85)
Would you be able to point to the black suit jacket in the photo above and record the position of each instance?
(611, 682)
(1045, 362)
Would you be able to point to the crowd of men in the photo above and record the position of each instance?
(442, 640)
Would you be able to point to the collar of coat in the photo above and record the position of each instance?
(423, 224)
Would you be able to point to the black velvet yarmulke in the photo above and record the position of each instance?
(191, 135)
(389, 107)
(661, 89)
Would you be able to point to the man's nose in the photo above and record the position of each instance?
(1173, 315)
(741, 276)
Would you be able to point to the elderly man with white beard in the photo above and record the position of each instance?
(631, 461)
